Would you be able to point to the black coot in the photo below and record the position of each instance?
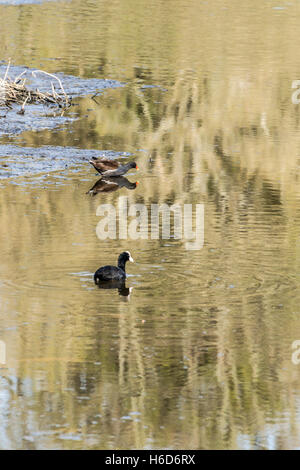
(113, 273)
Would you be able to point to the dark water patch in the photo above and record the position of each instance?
(147, 87)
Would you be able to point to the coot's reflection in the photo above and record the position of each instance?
(109, 184)
(120, 285)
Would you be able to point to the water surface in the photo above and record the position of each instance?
(199, 355)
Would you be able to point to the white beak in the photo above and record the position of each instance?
(131, 259)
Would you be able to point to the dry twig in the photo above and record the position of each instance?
(15, 91)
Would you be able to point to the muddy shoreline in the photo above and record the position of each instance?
(22, 161)
(39, 117)
(28, 161)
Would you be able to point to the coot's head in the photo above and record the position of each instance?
(133, 165)
(124, 257)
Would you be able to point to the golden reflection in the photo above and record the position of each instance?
(200, 357)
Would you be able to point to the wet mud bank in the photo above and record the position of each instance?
(22, 161)
(39, 117)
(28, 161)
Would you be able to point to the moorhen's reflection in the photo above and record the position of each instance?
(109, 184)
(120, 285)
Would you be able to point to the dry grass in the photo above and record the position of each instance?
(16, 92)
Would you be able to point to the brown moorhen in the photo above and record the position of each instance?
(107, 167)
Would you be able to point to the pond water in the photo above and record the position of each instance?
(199, 355)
